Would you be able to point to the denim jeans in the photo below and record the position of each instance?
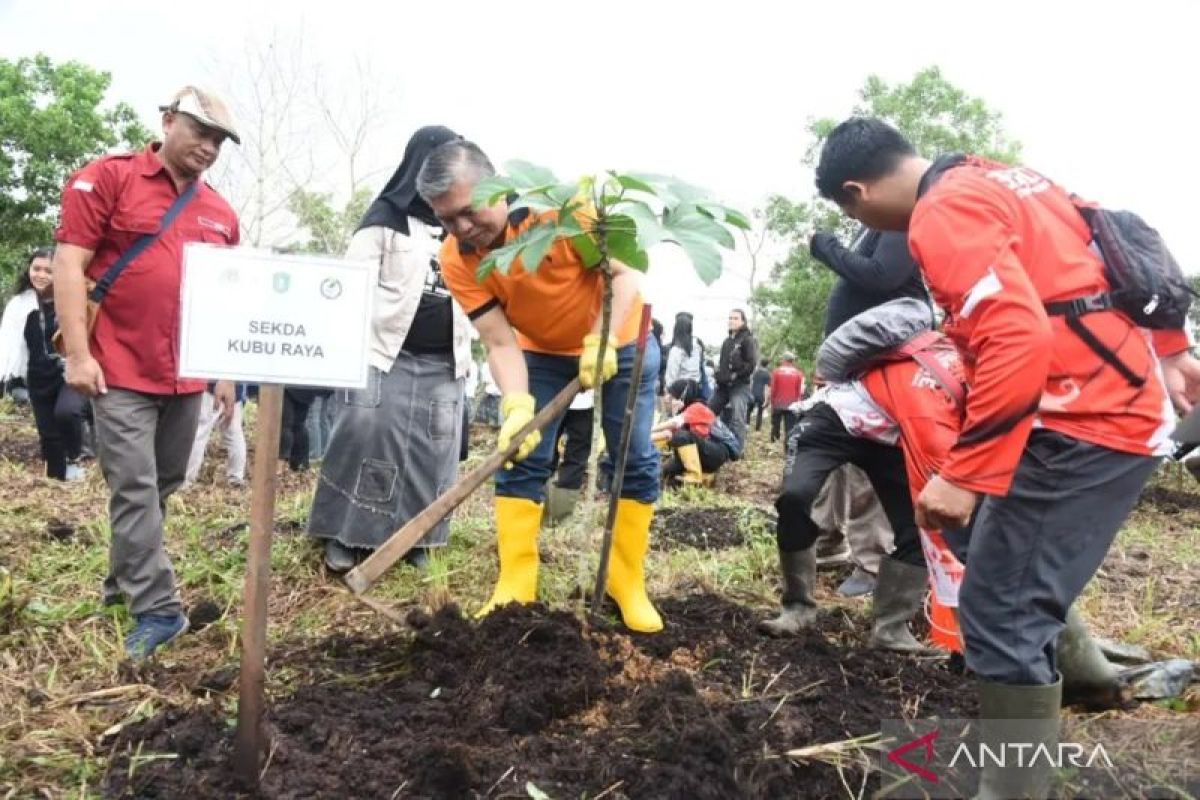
(548, 374)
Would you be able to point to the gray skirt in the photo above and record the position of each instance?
(393, 449)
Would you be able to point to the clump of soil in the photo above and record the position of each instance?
(203, 614)
(703, 528)
(704, 710)
(60, 531)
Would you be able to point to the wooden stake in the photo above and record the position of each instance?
(363, 577)
(618, 477)
(248, 744)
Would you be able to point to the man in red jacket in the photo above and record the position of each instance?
(1056, 444)
(786, 389)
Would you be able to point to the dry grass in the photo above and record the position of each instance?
(66, 689)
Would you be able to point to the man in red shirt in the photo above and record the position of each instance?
(128, 363)
(1056, 442)
(787, 387)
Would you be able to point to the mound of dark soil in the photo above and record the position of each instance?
(704, 710)
(703, 528)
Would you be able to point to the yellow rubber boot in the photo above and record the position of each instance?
(689, 456)
(517, 524)
(626, 574)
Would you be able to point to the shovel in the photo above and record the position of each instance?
(364, 576)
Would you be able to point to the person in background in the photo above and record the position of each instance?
(692, 435)
(57, 408)
(685, 354)
(574, 439)
(470, 389)
(656, 330)
(759, 382)
(395, 445)
(14, 351)
(739, 354)
(233, 436)
(785, 390)
(320, 423)
(489, 407)
(293, 432)
(128, 363)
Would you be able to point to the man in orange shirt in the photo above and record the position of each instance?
(1056, 442)
(541, 325)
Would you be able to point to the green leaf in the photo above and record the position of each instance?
(501, 258)
(623, 246)
(650, 230)
(541, 238)
(694, 233)
(534, 202)
(699, 222)
(585, 246)
(725, 214)
(490, 190)
(527, 176)
(671, 191)
(635, 183)
(737, 219)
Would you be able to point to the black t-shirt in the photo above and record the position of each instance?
(432, 328)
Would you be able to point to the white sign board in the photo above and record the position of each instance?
(258, 317)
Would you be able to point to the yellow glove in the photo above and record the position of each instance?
(589, 375)
(517, 409)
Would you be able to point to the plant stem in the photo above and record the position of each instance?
(588, 507)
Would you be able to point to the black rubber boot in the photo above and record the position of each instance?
(899, 596)
(1088, 679)
(1018, 714)
(799, 608)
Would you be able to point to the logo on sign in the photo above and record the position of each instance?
(281, 281)
(331, 288)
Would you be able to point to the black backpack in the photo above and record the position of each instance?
(1147, 283)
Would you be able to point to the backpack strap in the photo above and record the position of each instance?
(920, 349)
(110, 276)
(1073, 311)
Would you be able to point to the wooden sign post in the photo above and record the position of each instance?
(248, 740)
(261, 318)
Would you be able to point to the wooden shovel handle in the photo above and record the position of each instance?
(364, 576)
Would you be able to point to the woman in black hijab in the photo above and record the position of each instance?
(394, 445)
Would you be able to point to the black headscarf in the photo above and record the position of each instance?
(399, 199)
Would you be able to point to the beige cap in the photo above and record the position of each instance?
(206, 108)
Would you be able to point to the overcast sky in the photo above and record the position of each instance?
(1100, 93)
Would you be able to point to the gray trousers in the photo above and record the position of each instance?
(143, 442)
(1032, 551)
(393, 450)
(731, 403)
(847, 508)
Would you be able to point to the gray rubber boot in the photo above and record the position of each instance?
(560, 503)
(1018, 714)
(1088, 678)
(799, 607)
(899, 596)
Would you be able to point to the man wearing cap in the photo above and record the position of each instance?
(140, 210)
